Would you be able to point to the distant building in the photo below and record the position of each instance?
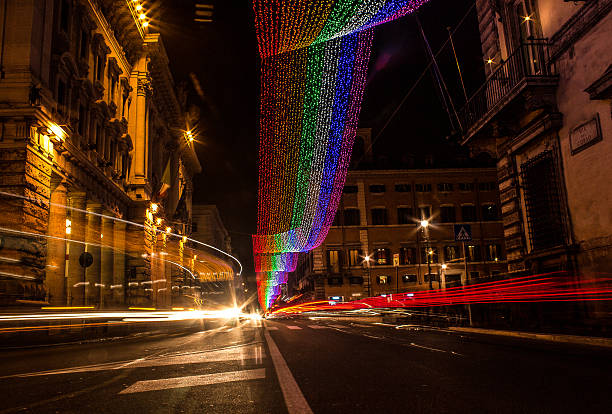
(544, 114)
(379, 217)
(207, 227)
(89, 118)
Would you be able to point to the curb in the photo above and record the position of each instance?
(569, 339)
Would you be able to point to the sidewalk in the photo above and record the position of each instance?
(569, 339)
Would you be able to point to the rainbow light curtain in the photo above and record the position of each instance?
(313, 73)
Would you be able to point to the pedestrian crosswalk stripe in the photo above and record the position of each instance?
(272, 328)
(317, 327)
(294, 327)
(195, 380)
(199, 357)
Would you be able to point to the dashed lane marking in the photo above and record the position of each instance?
(272, 328)
(195, 380)
(318, 327)
(294, 327)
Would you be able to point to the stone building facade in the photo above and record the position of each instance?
(208, 227)
(89, 119)
(380, 217)
(544, 113)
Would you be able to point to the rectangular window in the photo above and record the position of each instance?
(334, 281)
(445, 187)
(336, 222)
(422, 188)
(194, 227)
(489, 212)
(354, 257)
(466, 186)
(430, 253)
(333, 261)
(473, 253)
(409, 278)
(61, 92)
(84, 45)
(356, 280)
(379, 216)
(65, 16)
(474, 276)
(383, 280)
(451, 253)
(382, 257)
(377, 188)
(407, 255)
(493, 252)
(543, 202)
(424, 213)
(404, 215)
(468, 213)
(82, 120)
(488, 186)
(350, 189)
(402, 188)
(351, 217)
(447, 214)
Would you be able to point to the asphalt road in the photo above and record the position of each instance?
(322, 365)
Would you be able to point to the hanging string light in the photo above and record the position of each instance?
(313, 73)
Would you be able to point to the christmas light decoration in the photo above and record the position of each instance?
(313, 73)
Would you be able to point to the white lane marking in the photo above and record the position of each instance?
(359, 325)
(374, 337)
(338, 326)
(231, 354)
(272, 328)
(294, 327)
(426, 347)
(294, 399)
(384, 324)
(195, 380)
(317, 327)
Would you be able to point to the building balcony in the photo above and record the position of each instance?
(526, 80)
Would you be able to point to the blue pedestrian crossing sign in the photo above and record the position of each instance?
(463, 232)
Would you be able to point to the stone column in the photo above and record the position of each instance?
(93, 239)
(107, 259)
(56, 248)
(119, 279)
(76, 274)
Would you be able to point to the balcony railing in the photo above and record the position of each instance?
(529, 63)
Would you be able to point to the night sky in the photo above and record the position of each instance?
(223, 55)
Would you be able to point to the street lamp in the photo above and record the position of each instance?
(367, 260)
(424, 226)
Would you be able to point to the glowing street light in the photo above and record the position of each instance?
(424, 223)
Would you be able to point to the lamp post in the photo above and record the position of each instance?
(367, 259)
(424, 227)
(442, 280)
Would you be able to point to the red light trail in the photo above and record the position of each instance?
(553, 287)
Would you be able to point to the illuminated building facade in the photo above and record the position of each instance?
(380, 217)
(544, 114)
(89, 119)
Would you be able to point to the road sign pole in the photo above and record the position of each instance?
(465, 261)
(397, 279)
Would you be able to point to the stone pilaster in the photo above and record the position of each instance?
(56, 247)
(76, 274)
(119, 284)
(93, 239)
(107, 263)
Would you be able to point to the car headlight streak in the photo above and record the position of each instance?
(313, 74)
